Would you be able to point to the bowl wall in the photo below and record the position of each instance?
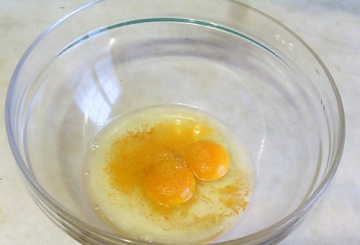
(239, 65)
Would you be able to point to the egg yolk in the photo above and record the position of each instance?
(169, 183)
(208, 160)
(165, 159)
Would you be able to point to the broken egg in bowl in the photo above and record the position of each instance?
(161, 122)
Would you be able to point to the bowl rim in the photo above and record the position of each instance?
(283, 226)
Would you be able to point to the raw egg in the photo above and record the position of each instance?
(169, 183)
(208, 160)
(168, 174)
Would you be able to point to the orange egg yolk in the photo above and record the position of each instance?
(170, 183)
(208, 160)
(164, 159)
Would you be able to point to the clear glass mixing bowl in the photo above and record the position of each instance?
(113, 57)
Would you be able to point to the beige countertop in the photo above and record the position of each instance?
(331, 28)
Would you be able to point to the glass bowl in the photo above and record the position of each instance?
(113, 57)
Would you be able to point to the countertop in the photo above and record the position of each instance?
(331, 28)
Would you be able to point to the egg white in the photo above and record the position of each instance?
(130, 215)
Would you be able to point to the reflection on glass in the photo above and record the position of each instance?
(112, 41)
(100, 88)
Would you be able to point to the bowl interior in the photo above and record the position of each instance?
(262, 95)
